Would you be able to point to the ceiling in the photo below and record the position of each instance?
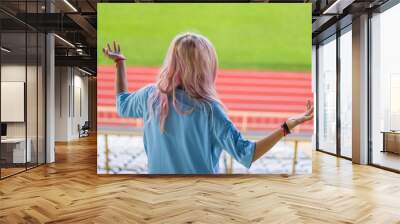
(75, 21)
(330, 15)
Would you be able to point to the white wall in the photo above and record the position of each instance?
(17, 73)
(71, 93)
(61, 104)
(14, 73)
(81, 100)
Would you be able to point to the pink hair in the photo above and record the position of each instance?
(191, 63)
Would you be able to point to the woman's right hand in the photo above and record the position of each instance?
(301, 118)
(113, 54)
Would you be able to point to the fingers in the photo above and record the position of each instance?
(310, 110)
(308, 114)
(309, 105)
(116, 48)
(105, 51)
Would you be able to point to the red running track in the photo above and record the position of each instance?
(256, 100)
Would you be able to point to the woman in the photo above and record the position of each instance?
(186, 127)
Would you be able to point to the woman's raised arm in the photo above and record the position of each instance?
(121, 82)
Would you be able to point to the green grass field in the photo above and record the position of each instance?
(246, 36)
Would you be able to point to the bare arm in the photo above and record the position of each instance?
(121, 81)
(265, 144)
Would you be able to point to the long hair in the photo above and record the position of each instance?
(191, 63)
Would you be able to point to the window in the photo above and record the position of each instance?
(346, 93)
(385, 89)
(327, 96)
(22, 75)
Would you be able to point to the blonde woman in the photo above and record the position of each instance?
(186, 127)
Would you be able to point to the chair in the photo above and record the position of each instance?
(84, 130)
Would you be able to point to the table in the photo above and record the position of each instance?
(15, 148)
(391, 141)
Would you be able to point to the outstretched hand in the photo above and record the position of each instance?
(115, 53)
(301, 118)
(265, 144)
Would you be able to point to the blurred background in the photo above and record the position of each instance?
(264, 75)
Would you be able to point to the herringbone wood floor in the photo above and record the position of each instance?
(70, 191)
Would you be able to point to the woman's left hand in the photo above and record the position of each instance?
(301, 118)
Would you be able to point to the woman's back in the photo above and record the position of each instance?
(191, 142)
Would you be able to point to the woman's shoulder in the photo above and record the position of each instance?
(218, 115)
(217, 109)
(216, 104)
(150, 87)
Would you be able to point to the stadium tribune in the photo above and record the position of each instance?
(257, 101)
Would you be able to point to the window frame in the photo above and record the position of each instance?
(333, 37)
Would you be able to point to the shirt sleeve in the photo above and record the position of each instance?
(133, 104)
(228, 137)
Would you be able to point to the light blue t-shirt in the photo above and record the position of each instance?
(191, 143)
